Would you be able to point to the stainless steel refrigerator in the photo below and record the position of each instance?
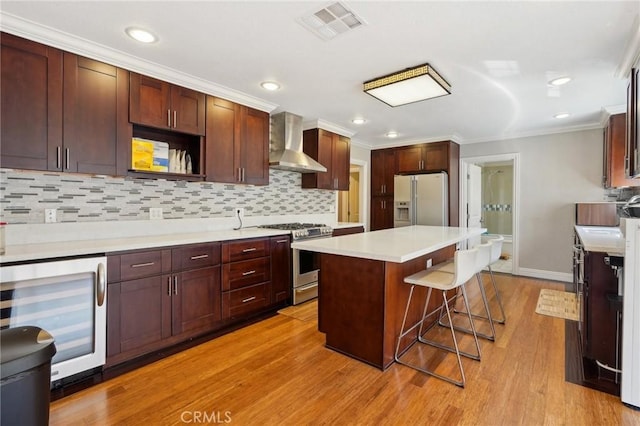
(420, 200)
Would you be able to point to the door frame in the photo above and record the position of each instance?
(363, 169)
(515, 216)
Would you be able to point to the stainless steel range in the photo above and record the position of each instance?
(305, 264)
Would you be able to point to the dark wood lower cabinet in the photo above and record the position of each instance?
(162, 297)
(601, 312)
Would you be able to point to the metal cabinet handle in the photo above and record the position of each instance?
(244, 274)
(249, 249)
(169, 286)
(58, 157)
(175, 285)
(66, 158)
(101, 284)
(200, 256)
(248, 299)
(175, 118)
(282, 241)
(168, 118)
(141, 265)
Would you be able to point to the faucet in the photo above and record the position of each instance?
(633, 200)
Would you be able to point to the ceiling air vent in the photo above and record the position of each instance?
(331, 21)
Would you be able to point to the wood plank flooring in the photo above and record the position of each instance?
(279, 372)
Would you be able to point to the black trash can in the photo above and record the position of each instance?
(25, 375)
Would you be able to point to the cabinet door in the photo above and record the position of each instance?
(95, 105)
(254, 147)
(325, 157)
(409, 159)
(187, 110)
(139, 314)
(280, 268)
(221, 140)
(382, 172)
(381, 213)
(340, 164)
(196, 302)
(614, 140)
(31, 104)
(436, 156)
(149, 101)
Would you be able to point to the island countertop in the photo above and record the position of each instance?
(396, 245)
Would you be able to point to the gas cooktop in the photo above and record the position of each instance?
(301, 231)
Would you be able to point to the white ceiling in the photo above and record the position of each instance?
(227, 48)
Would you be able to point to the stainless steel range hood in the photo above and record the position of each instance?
(285, 148)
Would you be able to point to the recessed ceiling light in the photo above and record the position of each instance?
(141, 35)
(560, 81)
(270, 85)
(358, 120)
(561, 115)
(392, 134)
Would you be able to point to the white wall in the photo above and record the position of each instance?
(556, 171)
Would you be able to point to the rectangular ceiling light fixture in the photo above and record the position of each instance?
(408, 86)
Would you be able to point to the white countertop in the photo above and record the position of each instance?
(49, 241)
(25, 252)
(391, 245)
(606, 239)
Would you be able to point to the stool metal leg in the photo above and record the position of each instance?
(495, 289)
(491, 337)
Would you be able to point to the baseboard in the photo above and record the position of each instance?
(545, 275)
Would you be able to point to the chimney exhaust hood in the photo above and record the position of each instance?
(285, 147)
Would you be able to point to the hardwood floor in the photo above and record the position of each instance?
(279, 372)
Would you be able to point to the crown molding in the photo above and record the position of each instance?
(568, 129)
(64, 41)
(329, 126)
(631, 56)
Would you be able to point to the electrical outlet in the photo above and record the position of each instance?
(429, 263)
(50, 215)
(155, 213)
(332, 208)
(239, 211)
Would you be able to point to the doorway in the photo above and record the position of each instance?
(350, 202)
(495, 194)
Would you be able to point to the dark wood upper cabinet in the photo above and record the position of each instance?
(632, 145)
(162, 105)
(95, 116)
(237, 143)
(614, 153)
(332, 151)
(423, 158)
(382, 171)
(31, 103)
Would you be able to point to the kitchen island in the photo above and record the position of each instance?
(361, 293)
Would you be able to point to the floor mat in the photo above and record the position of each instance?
(555, 303)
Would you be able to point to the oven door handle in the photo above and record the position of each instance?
(100, 284)
(306, 287)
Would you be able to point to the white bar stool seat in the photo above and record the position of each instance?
(464, 269)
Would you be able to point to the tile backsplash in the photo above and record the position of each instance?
(82, 198)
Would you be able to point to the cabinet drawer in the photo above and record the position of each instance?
(245, 249)
(195, 256)
(241, 274)
(245, 300)
(142, 264)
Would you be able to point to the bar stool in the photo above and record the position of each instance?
(496, 252)
(482, 261)
(464, 268)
